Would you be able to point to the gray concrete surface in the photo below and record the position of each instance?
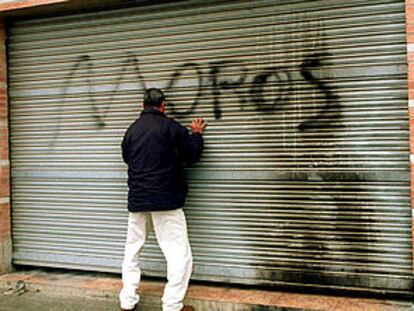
(37, 300)
(41, 300)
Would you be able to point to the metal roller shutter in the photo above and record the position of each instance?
(305, 176)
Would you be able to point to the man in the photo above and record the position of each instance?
(154, 148)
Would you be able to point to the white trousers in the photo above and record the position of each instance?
(171, 230)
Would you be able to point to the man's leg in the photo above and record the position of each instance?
(138, 226)
(171, 230)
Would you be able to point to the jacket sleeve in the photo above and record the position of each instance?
(189, 146)
(125, 149)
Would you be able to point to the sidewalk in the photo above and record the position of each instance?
(77, 291)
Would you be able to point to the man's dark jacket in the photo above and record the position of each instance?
(154, 148)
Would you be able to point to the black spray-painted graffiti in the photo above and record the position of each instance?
(85, 62)
(213, 83)
(217, 84)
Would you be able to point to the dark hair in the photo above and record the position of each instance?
(153, 97)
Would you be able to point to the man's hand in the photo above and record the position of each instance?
(198, 125)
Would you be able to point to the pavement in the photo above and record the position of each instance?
(56, 290)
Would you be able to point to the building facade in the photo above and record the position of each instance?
(305, 179)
